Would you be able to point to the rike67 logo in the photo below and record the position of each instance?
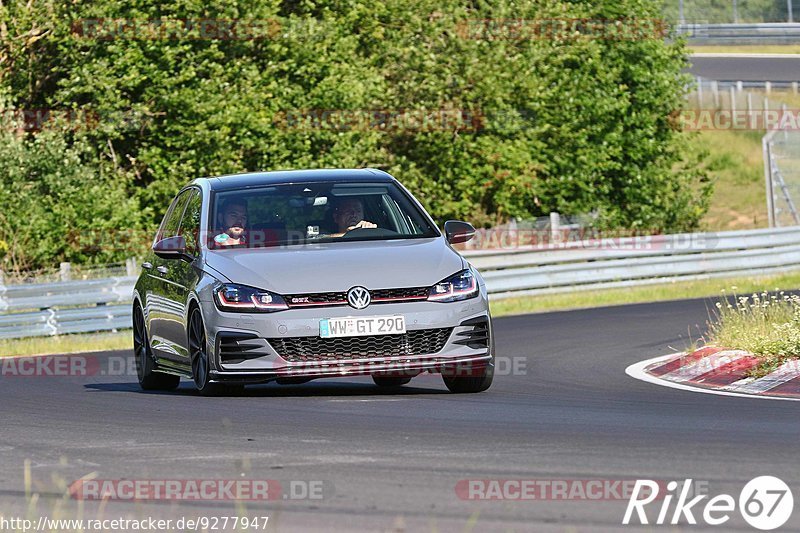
(765, 503)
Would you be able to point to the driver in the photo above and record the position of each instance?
(233, 220)
(348, 214)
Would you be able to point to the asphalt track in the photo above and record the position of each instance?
(391, 462)
(785, 69)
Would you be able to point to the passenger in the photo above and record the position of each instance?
(232, 218)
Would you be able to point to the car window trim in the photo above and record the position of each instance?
(192, 189)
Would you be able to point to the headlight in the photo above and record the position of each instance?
(238, 298)
(459, 286)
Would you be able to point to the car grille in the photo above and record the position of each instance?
(330, 299)
(308, 349)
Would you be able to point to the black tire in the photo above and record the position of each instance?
(201, 363)
(479, 382)
(198, 354)
(390, 382)
(149, 378)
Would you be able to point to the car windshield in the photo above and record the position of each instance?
(292, 214)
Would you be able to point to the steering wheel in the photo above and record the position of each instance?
(371, 232)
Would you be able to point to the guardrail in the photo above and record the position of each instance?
(83, 306)
(721, 34)
(626, 262)
(36, 309)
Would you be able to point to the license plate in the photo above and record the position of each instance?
(362, 326)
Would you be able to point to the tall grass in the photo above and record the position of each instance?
(767, 325)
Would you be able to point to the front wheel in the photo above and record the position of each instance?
(149, 379)
(198, 353)
(201, 363)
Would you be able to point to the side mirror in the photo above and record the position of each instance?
(171, 247)
(457, 231)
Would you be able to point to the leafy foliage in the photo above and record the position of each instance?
(566, 123)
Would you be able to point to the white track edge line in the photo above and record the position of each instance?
(743, 55)
(636, 371)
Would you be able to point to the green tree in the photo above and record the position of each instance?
(552, 122)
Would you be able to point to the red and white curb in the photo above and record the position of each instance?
(713, 370)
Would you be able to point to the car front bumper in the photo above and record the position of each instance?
(250, 336)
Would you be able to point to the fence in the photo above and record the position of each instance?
(749, 96)
(781, 148)
(104, 304)
(780, 145)
(731, 11)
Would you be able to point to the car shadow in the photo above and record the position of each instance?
(311, 389)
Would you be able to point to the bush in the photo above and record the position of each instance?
(563, 124)
(57, 208)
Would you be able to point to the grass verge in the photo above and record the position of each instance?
(64, 344)
(651, 293)
(764, 324)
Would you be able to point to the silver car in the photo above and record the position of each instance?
(295, 275)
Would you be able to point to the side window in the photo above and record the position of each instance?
(190, 225)
(172, 221)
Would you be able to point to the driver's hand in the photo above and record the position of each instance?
(363, 224)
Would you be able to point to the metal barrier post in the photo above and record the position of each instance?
(766, 147)
(65, 271)
(3, 302)
(555, 227)
(130, 266)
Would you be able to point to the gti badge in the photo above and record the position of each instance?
(358, 297)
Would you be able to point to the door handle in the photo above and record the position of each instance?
(162, 270)
(148, 266)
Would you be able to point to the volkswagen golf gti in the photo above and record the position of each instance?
(290, 276)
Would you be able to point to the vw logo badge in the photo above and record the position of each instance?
(358, 297)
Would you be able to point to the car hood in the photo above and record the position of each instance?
(328, 267)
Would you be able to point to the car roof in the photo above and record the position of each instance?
(278, 177)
